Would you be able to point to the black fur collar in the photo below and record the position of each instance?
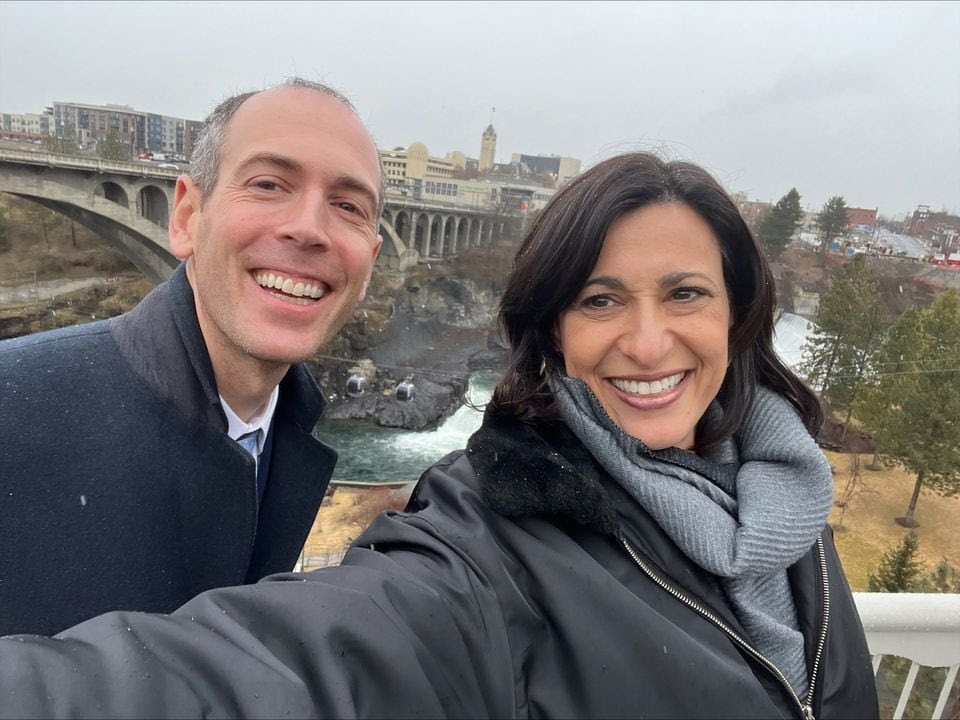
(528, 470)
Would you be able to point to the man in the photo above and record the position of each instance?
(153, 456)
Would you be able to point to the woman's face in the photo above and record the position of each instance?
(648, 332)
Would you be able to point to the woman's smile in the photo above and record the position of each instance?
(652, 394)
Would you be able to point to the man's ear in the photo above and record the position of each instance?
(376, 253)
(185, 217)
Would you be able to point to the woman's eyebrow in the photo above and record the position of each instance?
(675, 278)
(609, 281)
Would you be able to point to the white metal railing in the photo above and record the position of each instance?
(924, 628)
(86, 163)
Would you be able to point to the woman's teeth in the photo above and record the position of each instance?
(638, 387)
(293, 290)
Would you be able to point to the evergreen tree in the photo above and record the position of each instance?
(831, 221)
(777, 226)
(945, 578)
(851, 321)
(110, 148)
(898, 569)
(913, 406)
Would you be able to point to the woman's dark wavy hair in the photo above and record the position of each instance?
(561, 249)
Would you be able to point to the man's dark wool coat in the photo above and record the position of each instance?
(119, 488)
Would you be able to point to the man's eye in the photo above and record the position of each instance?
(266, 185)
(359, 210)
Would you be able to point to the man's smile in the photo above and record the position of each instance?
(286, 288)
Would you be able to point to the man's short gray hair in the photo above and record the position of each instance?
(205, 159)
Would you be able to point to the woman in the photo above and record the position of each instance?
(640, 317)
(634, 531)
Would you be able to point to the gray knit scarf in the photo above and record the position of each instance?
(755, 507)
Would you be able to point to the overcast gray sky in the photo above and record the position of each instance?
(857, 99)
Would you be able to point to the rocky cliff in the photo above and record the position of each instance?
(432, 326)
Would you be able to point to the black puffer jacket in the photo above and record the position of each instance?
(508, 590)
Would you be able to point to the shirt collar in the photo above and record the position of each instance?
(259, 422)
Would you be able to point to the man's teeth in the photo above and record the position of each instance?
(287, 286)
(638, 387)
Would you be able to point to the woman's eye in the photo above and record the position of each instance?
(597, 302)
(687, 294)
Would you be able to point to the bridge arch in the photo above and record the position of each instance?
(449, 239)
(152, 204)
(112, 192)
(92, 200)
(394, 252)
(462, 233)
(139, 245)
(401, 224)
(472, 235)
(421, 229)
(436, 233)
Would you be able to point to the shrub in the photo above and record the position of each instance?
(898, 569)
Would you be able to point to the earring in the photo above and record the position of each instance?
(543, 366)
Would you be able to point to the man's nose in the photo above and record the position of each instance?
(647, 336)
(308, 220)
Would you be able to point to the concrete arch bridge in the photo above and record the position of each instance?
(128, 204)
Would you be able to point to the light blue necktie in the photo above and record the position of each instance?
(249, 443)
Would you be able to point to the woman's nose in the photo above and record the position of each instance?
(646, 336)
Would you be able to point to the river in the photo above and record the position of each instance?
(373, 455)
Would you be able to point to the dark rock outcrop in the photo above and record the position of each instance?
(431, 402)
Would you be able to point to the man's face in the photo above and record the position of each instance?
(282, 249)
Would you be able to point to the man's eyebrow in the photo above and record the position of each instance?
(348, 182)
(287, 163)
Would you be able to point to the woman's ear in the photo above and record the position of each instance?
(555, 349)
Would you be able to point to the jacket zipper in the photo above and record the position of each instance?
(806, 708)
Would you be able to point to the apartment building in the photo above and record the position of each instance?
(138, 130)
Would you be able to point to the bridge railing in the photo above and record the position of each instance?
(915, 642)
(85, 163)
(395, 198)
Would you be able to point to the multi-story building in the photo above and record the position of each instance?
(93, 123)
(862, 220)
(941, 230)
(138, 130)
(410, 167)
(26, 126)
